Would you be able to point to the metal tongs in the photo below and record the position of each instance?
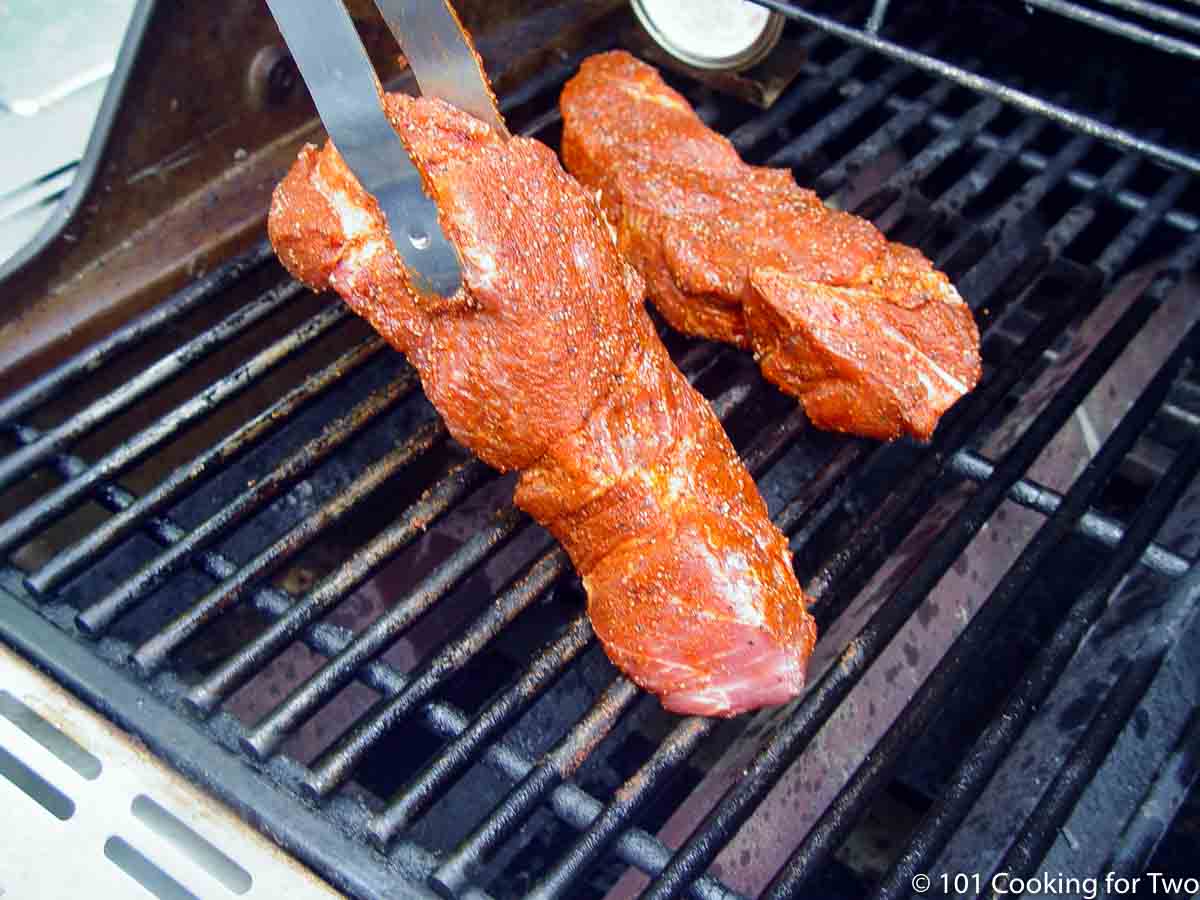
(347, 93)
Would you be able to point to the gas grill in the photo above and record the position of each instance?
(234, 526)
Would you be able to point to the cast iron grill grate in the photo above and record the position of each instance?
(333, 617)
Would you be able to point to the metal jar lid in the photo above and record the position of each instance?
(711, 34)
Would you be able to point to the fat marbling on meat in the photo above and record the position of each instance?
(546, 361)
(866, 333)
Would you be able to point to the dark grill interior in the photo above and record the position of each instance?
(325, 610)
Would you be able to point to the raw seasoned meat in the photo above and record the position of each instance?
(866, 333)
(546, 361)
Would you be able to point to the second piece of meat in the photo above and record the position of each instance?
(866, 333)
(546, 361)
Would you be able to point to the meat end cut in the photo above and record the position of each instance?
(546, 361)
(866, 333)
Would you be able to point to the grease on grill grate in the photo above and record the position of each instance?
(249, 502)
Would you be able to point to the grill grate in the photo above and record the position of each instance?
(999, 90)
(132, 543)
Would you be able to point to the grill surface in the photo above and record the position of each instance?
(334, 618)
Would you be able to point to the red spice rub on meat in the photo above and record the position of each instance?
(545, 361)
(866, 333)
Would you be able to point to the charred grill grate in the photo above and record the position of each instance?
(174, 579)
(1007, 89)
